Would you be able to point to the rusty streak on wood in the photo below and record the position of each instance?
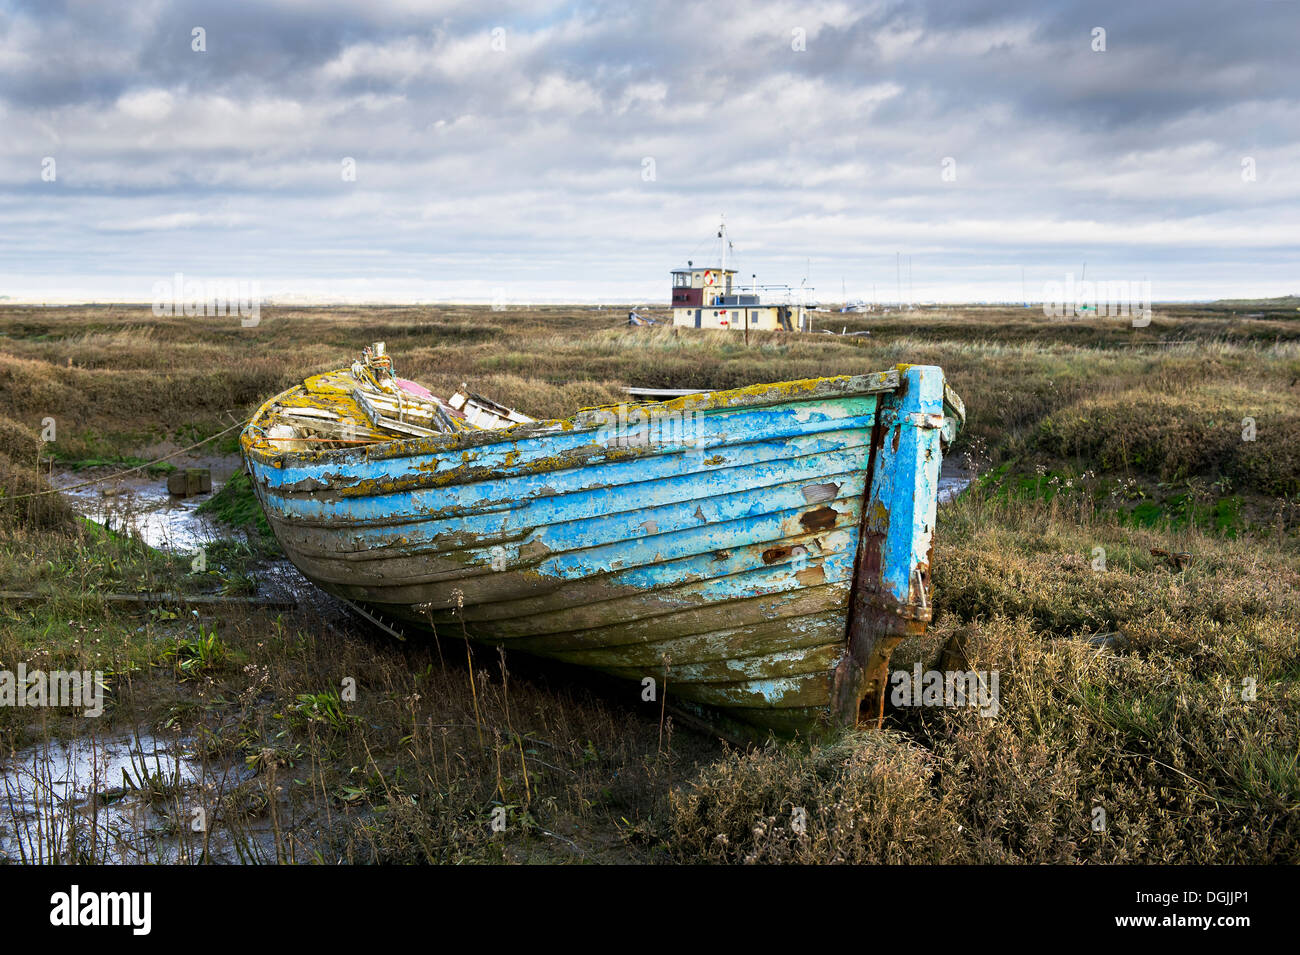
(846, 691)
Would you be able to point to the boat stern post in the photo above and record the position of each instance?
(891, 585)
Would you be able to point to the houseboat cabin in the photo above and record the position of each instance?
(710, 297)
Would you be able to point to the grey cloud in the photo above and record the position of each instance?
(230, 159)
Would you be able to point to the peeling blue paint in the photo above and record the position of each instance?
(735, 543)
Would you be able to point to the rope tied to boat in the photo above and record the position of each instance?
(117, 474)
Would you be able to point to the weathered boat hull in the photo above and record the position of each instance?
(757, 550)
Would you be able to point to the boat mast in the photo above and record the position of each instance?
(722, 236)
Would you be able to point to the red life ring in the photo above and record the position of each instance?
(709, 278)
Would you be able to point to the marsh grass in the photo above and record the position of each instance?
(1183, 731)
(1122, 689)
(331, 743)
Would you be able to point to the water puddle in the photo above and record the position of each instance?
(131, 798)
(953, 479)
(122, 799)
(139, 505)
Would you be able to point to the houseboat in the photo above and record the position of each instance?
(709, 296)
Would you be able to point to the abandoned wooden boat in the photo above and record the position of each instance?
(759, 551)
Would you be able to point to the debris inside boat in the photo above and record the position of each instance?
(368, 403)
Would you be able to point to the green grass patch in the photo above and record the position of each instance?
(236, 504)
(122, 462)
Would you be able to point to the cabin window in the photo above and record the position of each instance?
(681, 280)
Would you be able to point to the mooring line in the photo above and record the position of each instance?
(118, 474)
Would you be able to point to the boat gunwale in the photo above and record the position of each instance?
(411, 484)
(586, 419)
(952, 401)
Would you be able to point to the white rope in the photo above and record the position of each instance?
(118, 474)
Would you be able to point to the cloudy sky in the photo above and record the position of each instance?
(540, 152)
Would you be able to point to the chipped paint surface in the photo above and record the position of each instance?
(734, 553)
